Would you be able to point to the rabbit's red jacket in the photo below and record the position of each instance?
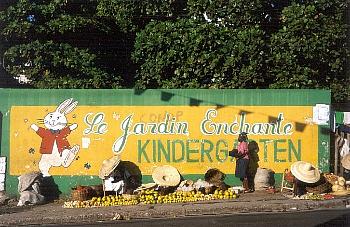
(48, 140)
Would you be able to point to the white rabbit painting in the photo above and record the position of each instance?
(55, 148)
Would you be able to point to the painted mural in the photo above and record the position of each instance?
(55, 149)
(72, 139)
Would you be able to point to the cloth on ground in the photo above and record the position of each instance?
(117, 180)
(29, 189)
(111, 185)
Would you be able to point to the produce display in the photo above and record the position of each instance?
(313, 196)
(151, 196)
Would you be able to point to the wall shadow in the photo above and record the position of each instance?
(135, 179)
(49, 189)
(139, 91)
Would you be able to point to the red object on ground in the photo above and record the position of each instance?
(328, 196)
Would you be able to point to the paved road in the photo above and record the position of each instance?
(319, 218)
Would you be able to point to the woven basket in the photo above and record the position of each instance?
(331, 178)
(81, 193)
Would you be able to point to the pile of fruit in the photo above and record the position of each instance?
(313, 196)
(151, 197)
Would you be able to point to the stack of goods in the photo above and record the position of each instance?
(339, 187)
(338, 184)
(152, 196)
(166, 189)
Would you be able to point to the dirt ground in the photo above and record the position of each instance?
(259, 201)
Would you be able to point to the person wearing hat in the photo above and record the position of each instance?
(304, 173)
(114, 175)
(243, 161)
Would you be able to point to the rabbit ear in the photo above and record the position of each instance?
(67, 106)
(70, 108)
(64, 105)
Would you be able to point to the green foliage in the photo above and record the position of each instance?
(191, 54)
(53, 17)
(310, 48)
(178, 44)
(39, 44)
(231, 13)
(57, 65)
(131, 15)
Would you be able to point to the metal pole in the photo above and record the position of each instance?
(336, 153)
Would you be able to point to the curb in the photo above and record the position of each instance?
(56, 214)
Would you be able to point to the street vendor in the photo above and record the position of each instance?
(114, 175)
(304, 173)
(243, 161)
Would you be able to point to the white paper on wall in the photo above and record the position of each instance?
(320, 114)
(2, 178)
(2, 164)
(85, 142)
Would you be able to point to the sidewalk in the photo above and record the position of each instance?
(259, 201)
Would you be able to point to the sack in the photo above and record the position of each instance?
(234, 153)
(264, 178)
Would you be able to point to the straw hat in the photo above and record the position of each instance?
(346, 161)
(108, 166)
(166, 176)
(305, 172)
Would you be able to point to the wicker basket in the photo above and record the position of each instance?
(331, 178)
(81, 193)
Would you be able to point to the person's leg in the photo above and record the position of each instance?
(246, 185)
(251, 182)
(299, 187)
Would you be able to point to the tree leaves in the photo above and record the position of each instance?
(178, 44)
(48, 64)
(310, 50)
(193, 54)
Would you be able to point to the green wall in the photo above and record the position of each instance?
(156, 97)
